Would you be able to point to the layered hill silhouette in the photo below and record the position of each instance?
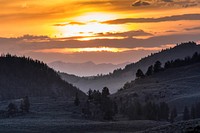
(21, 76)
(85, 69)
(177, 83)
(119, 77)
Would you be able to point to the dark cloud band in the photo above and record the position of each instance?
(153, 20)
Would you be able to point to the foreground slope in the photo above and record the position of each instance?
(61, 116)
(178, 87)
(22, 76)
(118, 78)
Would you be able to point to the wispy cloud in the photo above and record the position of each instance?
(140, 3)
(130, 34)
(168, 0)
(70, 23)
(100, 49)
(21, 43)
(153, 20)
(193, 28)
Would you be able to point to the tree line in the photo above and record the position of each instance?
(157, 67)
(192, 113)
(149, 111)
(98, 105)
(13, 110)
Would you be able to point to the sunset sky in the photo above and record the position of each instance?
(102, 31)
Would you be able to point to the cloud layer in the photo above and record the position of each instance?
(47, 49)
(154, 20)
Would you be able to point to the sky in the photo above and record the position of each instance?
(102, 31)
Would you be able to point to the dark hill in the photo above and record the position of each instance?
(178, 86)
(119, 77)
(21, 76)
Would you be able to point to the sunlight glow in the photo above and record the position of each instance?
(90, 25)
(95, 17)
(101, 49)
(78, 50)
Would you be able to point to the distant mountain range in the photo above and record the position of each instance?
(21, 76)
(86, 68)
(118, 78)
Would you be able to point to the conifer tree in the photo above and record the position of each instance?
(90, 97)
(149, 71)
(139, 73)
(105, 92)
(76, 101)
(12, 109)
(193, 112)
(25, 104)
(186, 115)
(173, 115)
(157, 66)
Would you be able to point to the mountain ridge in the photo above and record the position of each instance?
(119, 77)
(88, 68)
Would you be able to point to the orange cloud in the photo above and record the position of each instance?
(101, 49)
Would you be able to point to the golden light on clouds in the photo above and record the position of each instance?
(88, 25)
(101, 49)
(87, 38)
(95, 16)
(78, 50)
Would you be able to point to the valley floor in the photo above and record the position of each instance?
(61, 116)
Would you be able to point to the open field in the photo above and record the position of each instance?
(61, 116)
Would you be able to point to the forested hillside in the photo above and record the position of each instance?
(21, 76)
(175, 83)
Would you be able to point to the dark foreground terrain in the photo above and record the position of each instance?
(61, 116)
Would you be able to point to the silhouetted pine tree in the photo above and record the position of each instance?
(90, 97)
(12, 109)
(134, 111)
(115, 107)
(149, 71)
(97, 96)
(157, 66)
(164, 111)
(173, 115)
(76, 100)
(25, 105)
(105, 92)
(186, 114)
(197, 110)
(168, 65)
(107, 105)
(193, 112)
(195, 57)
(139, 73)
(151, 111)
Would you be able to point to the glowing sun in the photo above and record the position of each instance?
(89, 25)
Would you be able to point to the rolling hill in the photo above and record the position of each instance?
(178, 86)
(21, 76)
(119, 77)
